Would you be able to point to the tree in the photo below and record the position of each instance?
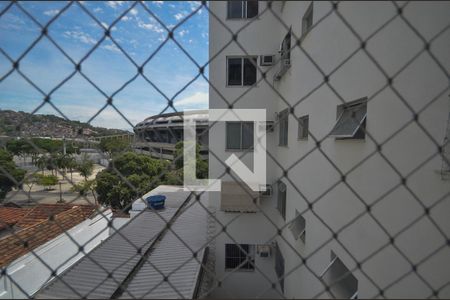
(71, 164)
(47, 181)
(84, 187)
(85, 167)
(30, 181)
(201, 165)
(41, 163)
(114, 146)
(10, 175)
(139, 170)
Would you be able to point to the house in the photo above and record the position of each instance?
(358, 193)
(41, 242)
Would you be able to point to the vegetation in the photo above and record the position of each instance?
(114, 146)
(47, 181)
(84, 187)
(138, 169)
(127, 170)
(10, 175)
(85, 167)
(24, 147)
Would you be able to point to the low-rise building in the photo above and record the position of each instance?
(41, 242)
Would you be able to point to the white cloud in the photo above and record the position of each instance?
(51, 12)
(197, 100)
(183, 32)
(151, 27)
(179, 16)
(125, 18)
(98, 9)
(194, 4)
(80, 36)
(158, 3)
(114, 4)
(134, 11)
(111, 47)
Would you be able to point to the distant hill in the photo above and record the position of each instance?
(14, 123)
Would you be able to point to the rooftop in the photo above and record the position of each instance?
(9, 216)
(25, 240)
(42, 212)
(134, 262)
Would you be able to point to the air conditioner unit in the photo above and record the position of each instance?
(266, 60)
(268, 192)
(263, 251)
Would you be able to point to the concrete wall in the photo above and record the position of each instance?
(31, 273)
(374, 181)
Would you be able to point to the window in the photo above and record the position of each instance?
(342, 283)
(297, 226)
(279, 266)
(240, 257)
(307, 20)
(281, 200)
(239, 135)
(242, 9)
(284, 122)
(303, 128)
(351, 121)
(285, 50)
(241, 71)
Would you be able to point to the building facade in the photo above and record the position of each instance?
(158, 135)
(358, 93)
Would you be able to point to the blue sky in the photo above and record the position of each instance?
(137, 32)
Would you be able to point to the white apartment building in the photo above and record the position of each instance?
(368, 231)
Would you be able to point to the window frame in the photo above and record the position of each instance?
(244, 266)
(336, 260)
(301, 128)
(282, 119)
(241, 138)
(359, 133)
(294, 222)
(280, 264)
(244, 10)
(242, 58)
(281, 205)
(309, 13)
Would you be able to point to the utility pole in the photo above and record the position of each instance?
(60, 194)
(64, 145)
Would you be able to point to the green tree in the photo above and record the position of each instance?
(85, 167)
(84, 187)
(140, 171)
(10, 175)
(47, 181)
(71, 164)
(201, 165)
(114, 146)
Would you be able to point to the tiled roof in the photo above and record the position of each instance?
(42, 212)
(27, 239)
(11, 215)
